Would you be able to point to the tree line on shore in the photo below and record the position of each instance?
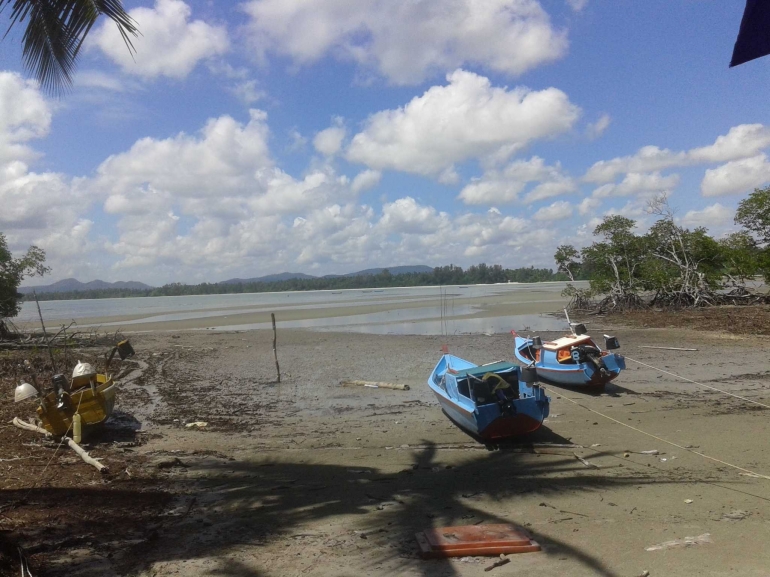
(445, 275)
(671, 266)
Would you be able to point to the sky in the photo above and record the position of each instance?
(328, 136)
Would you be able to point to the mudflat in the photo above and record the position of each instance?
(306, 477)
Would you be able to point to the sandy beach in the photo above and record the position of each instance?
(307, 477)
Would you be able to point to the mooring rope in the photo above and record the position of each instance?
(700, 384)
(61, 442)
(748, 471)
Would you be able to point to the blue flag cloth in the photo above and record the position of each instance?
(754, 36)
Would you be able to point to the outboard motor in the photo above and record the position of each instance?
(579, 329)
(589, 354)
(528, 375)
(61, 386)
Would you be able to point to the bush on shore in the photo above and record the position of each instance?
(671, 266)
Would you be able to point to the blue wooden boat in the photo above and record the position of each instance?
(491, 402)
(574, 360)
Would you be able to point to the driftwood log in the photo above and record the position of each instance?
(73, 445)
(375, 385)
(29, 427)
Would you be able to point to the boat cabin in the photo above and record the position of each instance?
(487, 383)
(562, 347)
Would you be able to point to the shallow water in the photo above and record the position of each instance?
(413, 322)
(307, 310)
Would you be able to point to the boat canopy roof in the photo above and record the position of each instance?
(568, 341)
(499, 367)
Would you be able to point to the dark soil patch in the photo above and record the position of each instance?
(739, 320)
(61, 513)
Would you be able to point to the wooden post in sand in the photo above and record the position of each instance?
(275, 348)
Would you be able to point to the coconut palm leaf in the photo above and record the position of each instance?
(55, 31)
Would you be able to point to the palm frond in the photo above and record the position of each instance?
(55, 31)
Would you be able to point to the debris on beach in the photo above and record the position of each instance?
(503, 561)
(474, 540)
(587, 463)
(375, 385)
(736, 515)
(686, 542)
(196, 425)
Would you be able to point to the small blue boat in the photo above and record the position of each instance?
(574, 360)
(491, 402)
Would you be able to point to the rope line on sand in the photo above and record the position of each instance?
(700, 384)
(748, 471)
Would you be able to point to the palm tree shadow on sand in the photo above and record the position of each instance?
(220, 508)
(233, 504)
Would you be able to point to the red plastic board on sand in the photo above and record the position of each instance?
(472, 540)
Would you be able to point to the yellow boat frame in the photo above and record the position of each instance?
(94, 403)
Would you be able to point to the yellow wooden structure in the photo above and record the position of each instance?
(94, 402)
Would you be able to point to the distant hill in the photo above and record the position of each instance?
(74, 285)
(71, 284)
(292, 275)
(269, 278)
(394, 270)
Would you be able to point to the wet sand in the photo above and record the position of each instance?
(307, 477)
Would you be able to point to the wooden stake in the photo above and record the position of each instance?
(375, 385)
(45, 334)
(275, 348)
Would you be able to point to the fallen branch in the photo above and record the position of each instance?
(500, 563)
(375, 385)
(588, 464)
(73, 445)
(29, 427)
(86, 457)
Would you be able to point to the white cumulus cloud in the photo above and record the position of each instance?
(559, 210)
(503, 186)
(24, 115)
(588, 205)
(741, 141)
(468, 118)
(406, 41)
(595, 129)
(169, 44)
(736, 177)
(365, 180)
(329, 141)
(577, 5)
(226, 156)
(635, 184)
(406, 215)
(40, 208)
(715, 215)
